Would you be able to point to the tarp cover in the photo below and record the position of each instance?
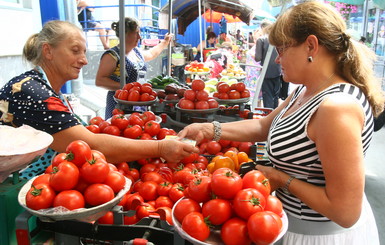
(186, 11)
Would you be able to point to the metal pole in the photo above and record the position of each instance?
(200, 27)
(122, 42)
(169, 45)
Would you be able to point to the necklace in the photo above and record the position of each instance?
(304, 99)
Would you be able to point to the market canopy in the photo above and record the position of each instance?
(186, 11)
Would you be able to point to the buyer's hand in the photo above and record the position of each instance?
(277, 179)
(197, 132)
(174, 151)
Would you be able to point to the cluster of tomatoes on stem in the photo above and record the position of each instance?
(197, 97)
(77, 178)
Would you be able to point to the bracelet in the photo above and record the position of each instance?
(217, 130)
(285, 189)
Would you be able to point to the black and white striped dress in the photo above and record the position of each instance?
(292, 151)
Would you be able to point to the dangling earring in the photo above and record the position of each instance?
(310, 58)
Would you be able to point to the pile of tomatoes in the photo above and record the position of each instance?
(196, 66)
(135, 126)
(243, 209)
(77, 178)
(197, 97)
(231, 92)
(136, 92)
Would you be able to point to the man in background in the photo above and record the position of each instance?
(271, 85)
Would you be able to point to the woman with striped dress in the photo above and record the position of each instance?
(317, 138)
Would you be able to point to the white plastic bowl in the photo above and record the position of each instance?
(19, 147)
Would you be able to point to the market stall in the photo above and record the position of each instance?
(145, 206)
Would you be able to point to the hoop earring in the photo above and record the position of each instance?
(310, 58)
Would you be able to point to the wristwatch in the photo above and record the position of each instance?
(285, 189)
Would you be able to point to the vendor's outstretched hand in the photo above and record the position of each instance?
(174, 151)
(197, 132)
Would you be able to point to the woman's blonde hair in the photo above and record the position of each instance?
(354, 60)
(52, 33)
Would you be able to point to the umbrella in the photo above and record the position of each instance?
(261, 14)
(215, 17)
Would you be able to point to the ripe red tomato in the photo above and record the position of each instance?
(149, 167)
(133, 95)
(190, 158)
(234, 232)
(145, 136)
(152, 176)
(133, 131)
(135, 119)
(245, 147)
(97, 154)
(224, 143)
(146, 89)
(107, 219)
(212, 103)
(240, 87)
(115, 180)
(103, 125)
(189, 94)
(93, 128)
(70, 199)
(117, 111)
(148, 115)
(97, 194)
(245, 94)
(164, 188)
(148, 190)
(40, 196)
(112, 130)
(135, 197)
(202, 95)
(144, 210)
(197, 85)
(130, 220)
(213, 147)
(247, 202)
(255, 179)
(119, 121)
(186, 104)
(226, 183)
(202, 105)
(59, 158)
(163, 201)
(264, 227)
(184, 207)
(234, 95)
(123, 95)
(95, 171)
(199, 189)
(144, 97)
(134, 173)
(223, 96)
(152, 128)
(41, 179)
(274, 205)
(176, 192)
(64, 177)
(223, 88)
(195, 225)
(128, 86)
(81, 186)
(78, 152)
(96, 120)
(218, 211)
